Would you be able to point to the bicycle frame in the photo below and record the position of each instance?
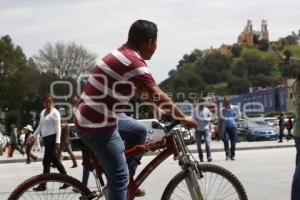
(169, 148)
(167, 145)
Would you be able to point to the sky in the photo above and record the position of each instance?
(102, 25)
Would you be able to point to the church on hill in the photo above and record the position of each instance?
(249, 36)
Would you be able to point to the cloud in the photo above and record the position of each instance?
(101, 26)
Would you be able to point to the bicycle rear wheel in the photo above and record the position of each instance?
(216, 183)
(75, 189)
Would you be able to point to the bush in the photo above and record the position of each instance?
(272, 114)
(276, 114)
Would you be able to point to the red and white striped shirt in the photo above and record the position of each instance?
(109, 88)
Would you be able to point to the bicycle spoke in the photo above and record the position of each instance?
(53, 192)
(213, 186)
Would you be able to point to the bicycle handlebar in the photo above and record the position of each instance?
(169, 127)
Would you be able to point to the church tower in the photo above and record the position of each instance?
(264, 34)
(246, 37)
(249, 26)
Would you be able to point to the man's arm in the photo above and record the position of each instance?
(38, 129)
(208, 117)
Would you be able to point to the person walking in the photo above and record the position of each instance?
(116, 78)
(65, 142)
(14, 141)
(289, 127)
(50, 129)
(281, 126)
(229, 117)
(28, 143)
(202, 116)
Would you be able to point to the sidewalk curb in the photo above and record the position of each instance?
(194, 150)
(239, 148)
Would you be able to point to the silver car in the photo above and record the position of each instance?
(256, 130)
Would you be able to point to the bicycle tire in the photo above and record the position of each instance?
(178, 182)
(55, 180)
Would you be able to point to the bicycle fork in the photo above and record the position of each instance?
(193, 185)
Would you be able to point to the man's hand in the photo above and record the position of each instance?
(56, 148)
(162, 115)
(189, 122)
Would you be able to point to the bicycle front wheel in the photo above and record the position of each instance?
(215, 182)
(54, 182)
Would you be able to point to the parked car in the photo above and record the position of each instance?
(274, 122)
(256, 130)
(154, 128)
(188, 134)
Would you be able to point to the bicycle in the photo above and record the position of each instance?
(195, 181)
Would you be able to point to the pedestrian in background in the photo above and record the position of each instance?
(14, 141)
(289, 127)
(50, 128)
(65, 142)
(228, 120)
(28, 143)
(281, 126)
(202, 116)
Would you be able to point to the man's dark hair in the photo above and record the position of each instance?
(46, 96)
(142, 31)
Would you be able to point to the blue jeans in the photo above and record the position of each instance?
(230, 134)
(85, 175)
(207, 139)
(109, 150)
(296, 180)
(133, 133)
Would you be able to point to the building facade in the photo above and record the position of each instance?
(262, 100)
(247, 37)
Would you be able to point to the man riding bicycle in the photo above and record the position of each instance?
(116, 78)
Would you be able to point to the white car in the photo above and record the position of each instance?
(154, 129)
(188, 134)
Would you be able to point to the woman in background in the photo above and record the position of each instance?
(50, 129)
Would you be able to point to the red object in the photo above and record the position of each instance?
(109, 88)
(166, 147)
(9, 150)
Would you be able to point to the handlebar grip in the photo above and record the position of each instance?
(169, 127)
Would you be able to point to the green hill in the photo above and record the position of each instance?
(203, 72)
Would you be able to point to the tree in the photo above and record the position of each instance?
(290, 70)
(256, 38)
(263, 45)
(288, 54)
(189, 58)
(236, 50)
(65, 60)
(238, 85)
(292, 38)
(13, 64)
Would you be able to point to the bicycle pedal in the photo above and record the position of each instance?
(91, 196)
